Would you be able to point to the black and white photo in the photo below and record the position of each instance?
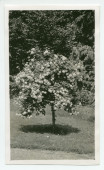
(52, 85)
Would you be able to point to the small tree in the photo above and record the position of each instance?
(49, 79)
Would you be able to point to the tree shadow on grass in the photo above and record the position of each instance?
(47, 128)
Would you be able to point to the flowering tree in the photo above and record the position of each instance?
(49, 79)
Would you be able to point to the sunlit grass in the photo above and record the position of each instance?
(72, 134)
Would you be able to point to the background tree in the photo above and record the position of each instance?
(58, 30)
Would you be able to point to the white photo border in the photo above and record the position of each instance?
(97, 90)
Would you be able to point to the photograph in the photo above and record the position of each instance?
(52, 89)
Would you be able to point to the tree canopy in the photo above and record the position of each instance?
(52, 80)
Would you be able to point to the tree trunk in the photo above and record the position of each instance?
(53, 116)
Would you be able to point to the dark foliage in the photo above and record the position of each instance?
(58, 30)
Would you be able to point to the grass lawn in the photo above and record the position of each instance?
(73, 133)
